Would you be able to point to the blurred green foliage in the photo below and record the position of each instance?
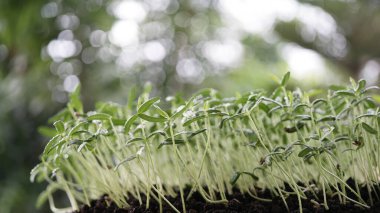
(47, 47)
(358, 25)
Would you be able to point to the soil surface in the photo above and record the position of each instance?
(237, 203)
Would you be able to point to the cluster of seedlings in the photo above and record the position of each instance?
(310, 143)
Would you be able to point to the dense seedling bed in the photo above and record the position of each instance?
(237, 202)
(294, 144)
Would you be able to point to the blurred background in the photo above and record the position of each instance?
(108, 46)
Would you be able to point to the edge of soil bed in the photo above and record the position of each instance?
(237, 203)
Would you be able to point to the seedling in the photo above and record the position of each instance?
(213, 144)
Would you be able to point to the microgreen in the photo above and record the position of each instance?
(261, 139)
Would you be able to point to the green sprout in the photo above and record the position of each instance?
(214, 144)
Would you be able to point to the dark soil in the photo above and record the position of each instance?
(237, 203)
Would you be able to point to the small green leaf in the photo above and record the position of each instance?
(370, 103)
(369, 129)
(134, 140)
(235, 178)
(254, 177)
(285, 79)
(151, 118)
(300, 106)
(276, 93)
(304, 152)
(169, 141)
(99, 116)
(339, 107)
(161, 112)
(76, 128)
(197, 132)
(264, 107)
(319, 100)
(345, 93)
(361, 85)
(59, 126)
(129, 123)
(211, 111)
(118, 122)
(182, 109)
(293, 129)
(327, 118)
(146, 105)
(342, 138)
(52, 144)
